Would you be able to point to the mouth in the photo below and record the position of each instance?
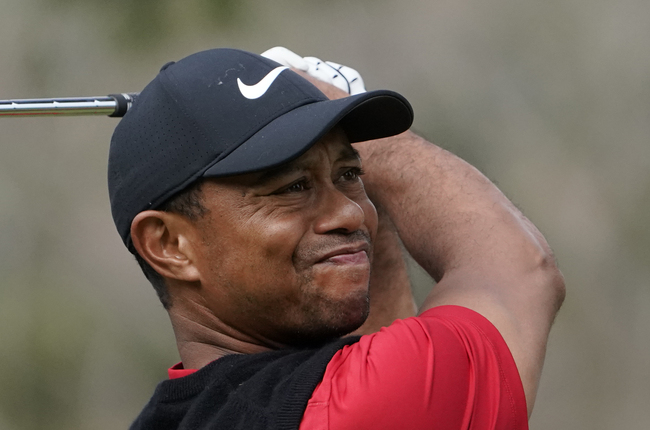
(357, 254)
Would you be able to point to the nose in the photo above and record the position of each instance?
(337, 213)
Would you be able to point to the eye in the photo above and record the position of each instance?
(296, 187)
(352, 174)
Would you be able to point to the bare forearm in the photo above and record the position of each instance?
(446, 211)
(483, 252)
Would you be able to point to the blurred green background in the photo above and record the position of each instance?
(551, 99)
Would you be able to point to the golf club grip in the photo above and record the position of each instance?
(123, 101)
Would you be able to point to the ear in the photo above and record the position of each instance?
(162, 239)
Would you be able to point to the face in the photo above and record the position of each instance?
(284, 255)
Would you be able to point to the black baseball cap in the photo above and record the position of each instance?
(224, 112)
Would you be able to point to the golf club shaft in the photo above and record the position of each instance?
(114, 105)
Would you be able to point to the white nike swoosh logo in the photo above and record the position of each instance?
(256, 91)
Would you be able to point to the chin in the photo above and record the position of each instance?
(331, 320)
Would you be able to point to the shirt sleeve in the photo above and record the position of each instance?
(448, 368)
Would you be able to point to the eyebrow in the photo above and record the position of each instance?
(347, 153)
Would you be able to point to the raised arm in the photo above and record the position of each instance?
(484, 254)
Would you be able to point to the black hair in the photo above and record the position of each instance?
(188, 203)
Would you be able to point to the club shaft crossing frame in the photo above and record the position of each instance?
(113, 105)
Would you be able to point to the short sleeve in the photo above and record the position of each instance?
(448, 368)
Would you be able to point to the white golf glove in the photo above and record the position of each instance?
(342, 77)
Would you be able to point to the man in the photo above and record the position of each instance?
(234, 182)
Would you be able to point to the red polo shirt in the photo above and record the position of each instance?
(448, 368)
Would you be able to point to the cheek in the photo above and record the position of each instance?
(254, 252)
(274, 243)
(279, 239)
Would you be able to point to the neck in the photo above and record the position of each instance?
(201, 337)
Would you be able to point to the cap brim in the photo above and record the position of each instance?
(367, 116)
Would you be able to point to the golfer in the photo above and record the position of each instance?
(270, 218)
